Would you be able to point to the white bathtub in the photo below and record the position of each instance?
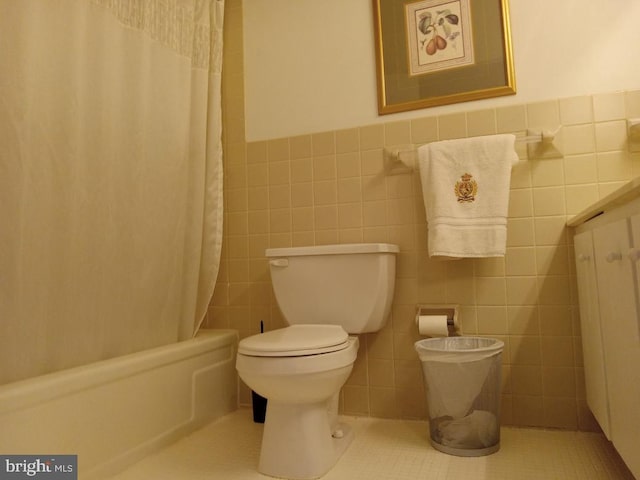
(114, 412)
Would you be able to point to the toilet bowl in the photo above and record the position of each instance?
(302, 437)
(326, 294)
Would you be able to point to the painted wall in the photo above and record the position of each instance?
(310, 65)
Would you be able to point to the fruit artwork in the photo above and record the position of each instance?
(439, 35)
(434, 27)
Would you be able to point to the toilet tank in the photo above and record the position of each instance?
(349, 285)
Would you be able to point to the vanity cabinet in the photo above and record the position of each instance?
(607, 254)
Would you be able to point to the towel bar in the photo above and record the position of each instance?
(401, 159)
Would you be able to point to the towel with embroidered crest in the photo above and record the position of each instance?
(465, 185)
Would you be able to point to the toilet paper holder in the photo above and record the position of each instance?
(451, 311)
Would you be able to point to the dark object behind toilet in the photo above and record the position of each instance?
(258, 401)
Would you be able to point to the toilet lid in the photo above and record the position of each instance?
(295, 340)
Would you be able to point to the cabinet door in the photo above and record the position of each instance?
(634, 256)
(619, 319)
(592, 352)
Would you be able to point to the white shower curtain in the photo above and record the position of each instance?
(110, 177)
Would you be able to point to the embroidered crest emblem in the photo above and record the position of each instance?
(466, 189)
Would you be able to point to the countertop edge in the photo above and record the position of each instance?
(624, 194)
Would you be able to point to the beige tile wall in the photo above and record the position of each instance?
(330, 187)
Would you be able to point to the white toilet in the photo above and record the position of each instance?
(325, 293)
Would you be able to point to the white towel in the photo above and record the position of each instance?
(465, 185)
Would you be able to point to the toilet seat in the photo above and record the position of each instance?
(266, 367)
(295, 341)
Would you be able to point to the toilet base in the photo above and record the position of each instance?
(298, 443)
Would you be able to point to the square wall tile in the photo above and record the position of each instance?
(520, 232)
(323, 143)
(326, 217)
(525, 350)
(526, 379)
(550, 230)
(543, 115)
(300, 146)
(350, 215)
(490, 291)
(258, 175)
(548, 201)
(278, 150)
(522, 291)
(578, 139)
(324, 168)
(632, 104)
(555, 320)
(481, 122)
(614, 166)
(279, 173)
(580, 169)
(372, 162)
(325, 192)
(302, 195)
(547, 173)
(348, 165)
(279, 196)
(452, 126)
(557, 351)
(523, 320)
(528, 410)
(424, 130)
(554, 290)
(576, 110)
(371, 137)
(347, 141)
(580, 197)
(609, 106)
(520, 203)
(397, 133)
(258, 198)
(611, 136)
(349, 190)
(301, 170)
(552, 260)
(492, 320)
(257, 152)
(520, 261)
(511, 119)
(302, 219)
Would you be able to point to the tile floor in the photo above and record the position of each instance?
(388, 450)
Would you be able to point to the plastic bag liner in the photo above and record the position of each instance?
(462, 376)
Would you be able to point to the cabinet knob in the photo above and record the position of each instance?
(634, 254)
(613, 257)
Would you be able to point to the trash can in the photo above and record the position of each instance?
(462, 380)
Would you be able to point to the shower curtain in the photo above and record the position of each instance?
(110, 177)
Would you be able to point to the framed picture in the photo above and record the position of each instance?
(437, 52)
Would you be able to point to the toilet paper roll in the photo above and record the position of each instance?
(433, 325)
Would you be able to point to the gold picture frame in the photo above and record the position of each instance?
(439, 52)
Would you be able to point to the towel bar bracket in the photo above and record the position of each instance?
(545, 147)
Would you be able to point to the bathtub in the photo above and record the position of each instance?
(114, 412)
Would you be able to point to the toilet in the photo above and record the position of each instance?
(327, 295)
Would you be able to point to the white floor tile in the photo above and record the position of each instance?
(388, 450)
